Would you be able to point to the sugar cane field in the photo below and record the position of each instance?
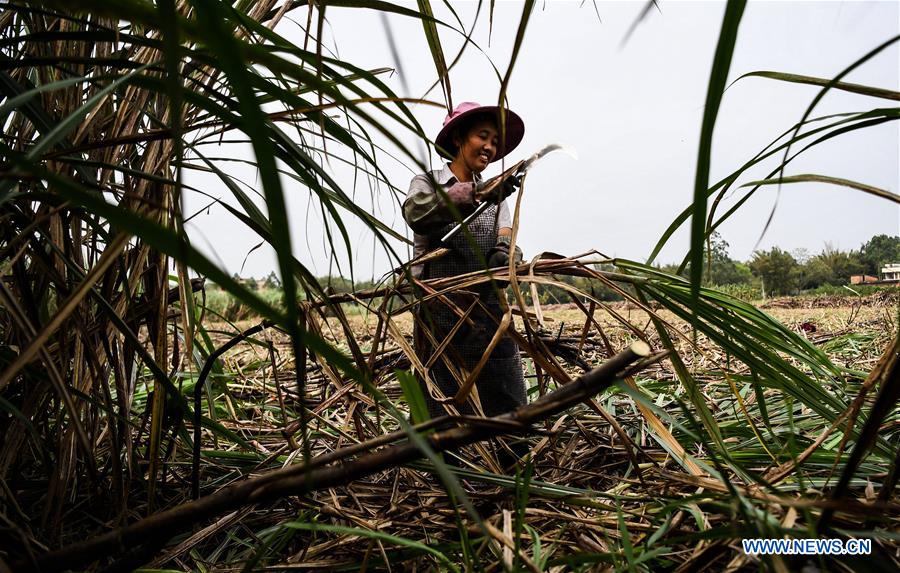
(160, 413)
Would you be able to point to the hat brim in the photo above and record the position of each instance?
(515, 131)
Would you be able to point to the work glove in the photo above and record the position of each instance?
(500, 191)
(499, 255)
(510, 185)
(462, 195)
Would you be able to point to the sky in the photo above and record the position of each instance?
(633, 112)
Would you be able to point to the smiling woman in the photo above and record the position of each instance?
(471, 139)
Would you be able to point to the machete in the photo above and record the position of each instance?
(519, 169)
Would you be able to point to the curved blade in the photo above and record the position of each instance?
(526, 165)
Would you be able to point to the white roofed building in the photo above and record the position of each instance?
(890, 272)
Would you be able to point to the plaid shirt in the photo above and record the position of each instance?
(426, 213)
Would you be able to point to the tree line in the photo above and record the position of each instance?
(768, 272)
(780, 272)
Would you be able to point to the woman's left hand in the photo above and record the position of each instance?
(495, 191)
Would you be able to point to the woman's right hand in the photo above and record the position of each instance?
(462, 195)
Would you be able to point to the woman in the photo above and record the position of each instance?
(470, 140)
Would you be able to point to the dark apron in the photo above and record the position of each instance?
(501, 384)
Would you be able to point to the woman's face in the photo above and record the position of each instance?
(479, 147)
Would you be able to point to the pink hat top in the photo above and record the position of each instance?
(515, 128)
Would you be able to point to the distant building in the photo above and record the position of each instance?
(890, 273)
(862, 279)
